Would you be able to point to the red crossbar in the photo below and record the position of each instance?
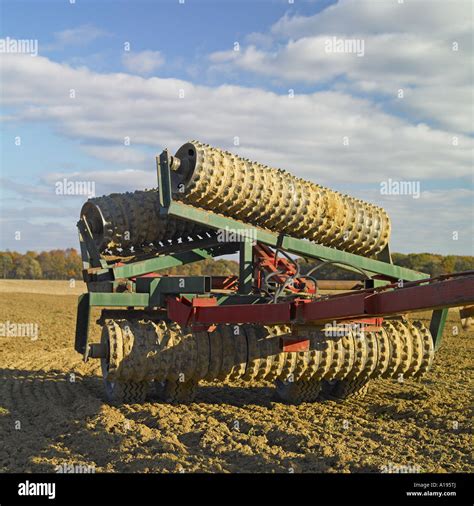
(453, 292)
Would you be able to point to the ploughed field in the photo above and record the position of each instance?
(53, 415)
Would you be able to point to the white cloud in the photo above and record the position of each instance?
(349, 16)
(143, 62)
(107, 181)
(33, 212)
(79, 36)
(407, 46)
(123, 155)
(304, 133)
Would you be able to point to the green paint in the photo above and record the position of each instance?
(300, 247)
(245, 267)
(437, 324)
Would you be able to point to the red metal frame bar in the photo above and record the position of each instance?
(298, 340)
(441, 294)
(289, 344)
(224, 282)
(435, 293)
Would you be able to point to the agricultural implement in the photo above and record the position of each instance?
(275, 320)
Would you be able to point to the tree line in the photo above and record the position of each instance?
(430, 263)
(54, 264)
(67, 264)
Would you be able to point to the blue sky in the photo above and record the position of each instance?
(345, 125)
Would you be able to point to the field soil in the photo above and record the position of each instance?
(60, 287)
(53, 414)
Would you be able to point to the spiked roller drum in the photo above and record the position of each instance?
(142, 351)
(126, 220)
(272, 198)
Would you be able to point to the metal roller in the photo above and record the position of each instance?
(126, 220)
(145, 350)
(225, 183)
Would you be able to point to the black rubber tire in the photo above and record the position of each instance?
(296, 392)
(340, 390)
(173, 391)
(130, 392)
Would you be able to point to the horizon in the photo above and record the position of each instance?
(227, 257)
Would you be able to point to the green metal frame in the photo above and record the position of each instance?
(437, 324)
(82, 324)
(150, 292)
(90, 253)
(246, 267)
(158, 263)
(159, 288)
(301, 247)
(165, 262)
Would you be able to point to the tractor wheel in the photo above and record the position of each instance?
(340, 390)
(296, 392)
(173, 391)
